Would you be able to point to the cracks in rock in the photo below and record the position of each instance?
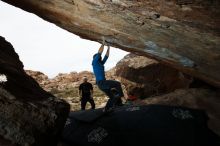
(140, 20)
(199, 3)
(121, 4)
(154, 16)
(111, 39)
(166, 26)
(184, 2)
(96, 3)
(140, 17)
(144, 15)
(73, 2)
(150, 15)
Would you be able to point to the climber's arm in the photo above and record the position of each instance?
(106, 55)
(102, 46)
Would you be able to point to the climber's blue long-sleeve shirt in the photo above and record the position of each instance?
(98, 67)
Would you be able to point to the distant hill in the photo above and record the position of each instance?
(65, 86)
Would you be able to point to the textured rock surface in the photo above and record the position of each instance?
(4, 142)
(145, 77)
(205, 99)
(28, 114)
(181, 33)
(38, 76)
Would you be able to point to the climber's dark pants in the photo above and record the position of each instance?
(106, 86)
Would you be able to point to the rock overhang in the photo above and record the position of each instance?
(182, 34)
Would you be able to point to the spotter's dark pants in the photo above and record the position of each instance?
(84, 100)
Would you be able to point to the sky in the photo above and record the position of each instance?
(42, 46)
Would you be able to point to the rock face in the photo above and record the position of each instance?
(184, 34)
(38, 76)
(28, 114)
(205, 99)
(145, 77)
(62, 80)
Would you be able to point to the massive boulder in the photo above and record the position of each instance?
(181, 33)
(28, 114)
(203, 99)
(146, 77)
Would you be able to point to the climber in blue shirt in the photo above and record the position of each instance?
(111, 88)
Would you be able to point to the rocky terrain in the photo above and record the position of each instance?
(28, 114)
(147, 79)
(65, 86)
(139, 75)
(182, 35)
(150, 81)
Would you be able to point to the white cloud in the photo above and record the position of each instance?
(45, 47)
